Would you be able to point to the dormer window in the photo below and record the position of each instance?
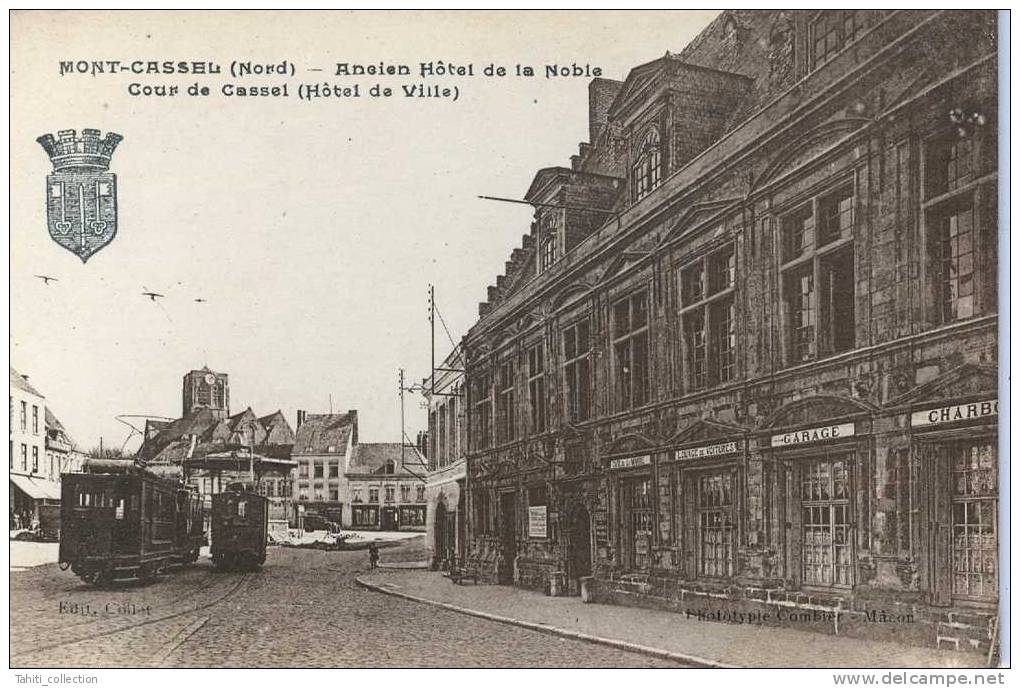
(648, 169)
(547, 256)
(548, 251)
(831, 32)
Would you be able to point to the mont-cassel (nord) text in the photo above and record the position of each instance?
(282, 79)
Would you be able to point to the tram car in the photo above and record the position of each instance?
(240, 528)
(120, 521)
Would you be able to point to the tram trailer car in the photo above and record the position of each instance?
(240, 528)
(123, 522)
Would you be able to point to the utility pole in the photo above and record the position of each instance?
(402, 440)
(432, 337)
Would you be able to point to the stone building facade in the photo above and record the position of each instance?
(447, 471)
(386, 487)
(746, 357)
(32, 480)
(323, 446)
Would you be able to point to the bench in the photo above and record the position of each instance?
(459, 574)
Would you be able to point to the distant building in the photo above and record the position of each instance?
(62, 454)
(206, 389)
(322, 447)
(386, 487)
(29, 484)
(445, 518)
(214, 448)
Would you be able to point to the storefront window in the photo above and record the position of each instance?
(715, 525)
(975, 507)
(412, 516)
(365, 515)
(637, 499)
(826, 528)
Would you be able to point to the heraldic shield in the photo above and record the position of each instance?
(81, 196)
(81, 211)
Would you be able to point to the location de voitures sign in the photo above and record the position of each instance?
(707, 450)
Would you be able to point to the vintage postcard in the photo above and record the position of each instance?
(505, 339)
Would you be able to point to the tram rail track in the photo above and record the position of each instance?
(94, 633)
(206, 583)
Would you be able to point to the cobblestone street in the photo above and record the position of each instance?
(302, 609)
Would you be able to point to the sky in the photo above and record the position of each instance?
(311, 229)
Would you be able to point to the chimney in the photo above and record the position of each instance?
(353, 413)
(300, 418)
(601, 93)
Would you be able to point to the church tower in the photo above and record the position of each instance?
(206, 389)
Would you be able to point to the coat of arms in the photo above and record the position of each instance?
(81, 195)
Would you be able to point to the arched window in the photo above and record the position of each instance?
(648, 169)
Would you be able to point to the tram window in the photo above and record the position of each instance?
(242, 508)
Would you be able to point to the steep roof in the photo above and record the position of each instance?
(324, 433)
(373, 457)
(246, 414)
(755, 43)
(199, 422)
(274, 417)
(53, 422)
(53, 425)
(19, 381)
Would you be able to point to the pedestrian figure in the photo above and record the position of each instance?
(373, 556)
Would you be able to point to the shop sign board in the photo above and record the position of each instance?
(955, 413)
(631, 462)
(708, 450)
(821, 433)
(537, 522)
(601, 527)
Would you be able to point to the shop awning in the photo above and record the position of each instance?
(36, 488)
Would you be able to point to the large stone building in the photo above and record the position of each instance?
(745, 358)
(447, 471)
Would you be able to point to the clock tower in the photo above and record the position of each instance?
(206, 389)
